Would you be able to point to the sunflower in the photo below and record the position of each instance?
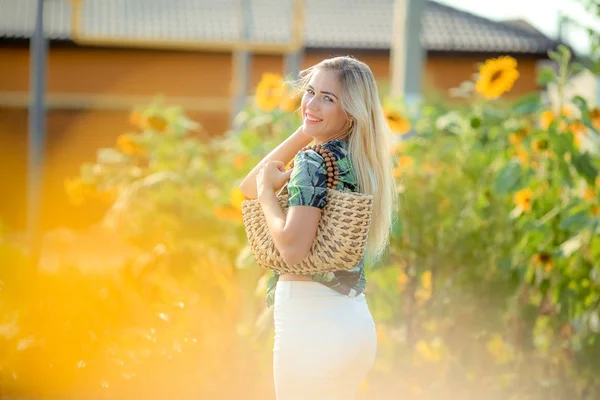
(539, 145)
(548, 116)
(128, 145)
(396, 121)
(519, 135)
(513, 138)
(578, 129)
(523, 199)
(544, 259)
(497, 76)
(290, 100)
(155, 122)
(522, 155)
(269, 91)
(595, 118)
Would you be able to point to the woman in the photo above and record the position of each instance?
(325, 340)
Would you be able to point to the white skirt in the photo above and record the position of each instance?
(325, 342)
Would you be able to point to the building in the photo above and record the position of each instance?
(92, 88)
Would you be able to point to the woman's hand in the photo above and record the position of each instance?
(272, 177)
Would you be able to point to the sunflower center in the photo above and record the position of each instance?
(394, 118)
(496, 75)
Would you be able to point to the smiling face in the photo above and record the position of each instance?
(322, 112)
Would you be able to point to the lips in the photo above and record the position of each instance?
(312, 118)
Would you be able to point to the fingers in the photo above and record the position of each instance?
(288, 173)
(275, 164)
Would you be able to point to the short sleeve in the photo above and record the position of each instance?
(308, 182)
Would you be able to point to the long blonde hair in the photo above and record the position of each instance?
(369, 143)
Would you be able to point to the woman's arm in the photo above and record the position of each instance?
(293, 234)
(285, 152)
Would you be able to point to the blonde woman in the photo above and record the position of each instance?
(325, 342)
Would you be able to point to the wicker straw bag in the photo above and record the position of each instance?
(341, 234)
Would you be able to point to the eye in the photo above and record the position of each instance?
(327, 98)
(310, 91)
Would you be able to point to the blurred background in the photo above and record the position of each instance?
(126, 126)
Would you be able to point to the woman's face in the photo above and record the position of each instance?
(322, 113)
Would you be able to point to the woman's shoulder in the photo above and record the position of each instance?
(346, 172)
(338, 147)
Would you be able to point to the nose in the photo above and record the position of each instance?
(313, 104)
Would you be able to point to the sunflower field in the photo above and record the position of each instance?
(490, 289)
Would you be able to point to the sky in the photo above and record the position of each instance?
(543, 14)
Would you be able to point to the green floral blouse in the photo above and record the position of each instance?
(308, 187)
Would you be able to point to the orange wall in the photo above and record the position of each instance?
(73, 136)
(119, 71)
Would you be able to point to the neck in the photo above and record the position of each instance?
(330, 139)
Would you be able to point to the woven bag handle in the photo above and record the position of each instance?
(333, 172)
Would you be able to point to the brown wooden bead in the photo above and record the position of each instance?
(329, 169)
(336, 173)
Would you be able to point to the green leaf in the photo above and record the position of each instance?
(546, 76)
(509, 178)
(564, 52)
(575, 221)
(560, 143)
(554, 55)
(583, 165)
(249, 139)
(582, 104)
(528, 104)
(565, 172)
(577, 68)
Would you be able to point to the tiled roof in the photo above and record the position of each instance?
(347, 24)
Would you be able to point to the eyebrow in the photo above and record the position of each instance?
(324, 92)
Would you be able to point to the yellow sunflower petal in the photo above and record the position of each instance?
(128, 145)
(396, 121)
(290, 100)
(496, 77)
(523, 199)
(269, 92)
